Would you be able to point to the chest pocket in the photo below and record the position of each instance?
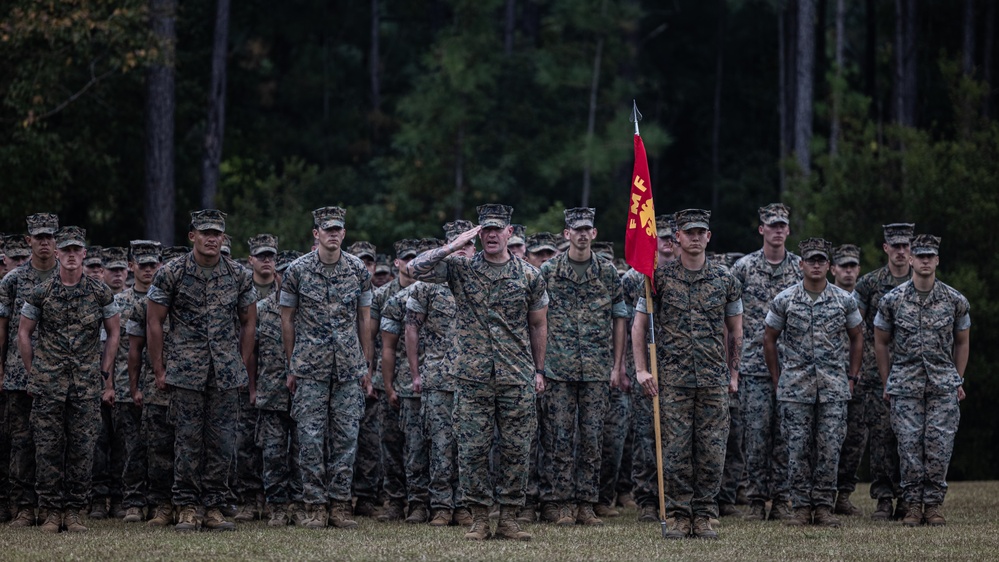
(711, 299)
(600, 304)
(312, 292)
(798, 322)
(445, 306)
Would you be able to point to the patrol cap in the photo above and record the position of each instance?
(208, 219)
(361, 249)
(145, 251)
(579, 217)
(407, 248)
(542, 241)
(665, 225)
(899, 232)
(693, 218)
(71, 236)
(603, 248)
(519, 237)
(329, 217)
(382, 264)
(262, 243)
(16, 246)
(95, 256)
(926, 245)
(846, 254)
(814, 247)
(115, 257)
(454, 228)
(284, 259)
(429, 244)
(42, 223)
(226, 247)
(494, 215)
(174, 252)
(774, 213)
(621, 265)
(561, 244)
(732, 257)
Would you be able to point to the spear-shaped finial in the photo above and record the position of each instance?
(636, 115)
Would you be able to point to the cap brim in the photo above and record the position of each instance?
(68, 243)
(891, 241)
(147, 259)
(812, 253)
(202, 226)
(116, 265)
(365, 254)
(18, 253)
(925, 252)
(331, 224)
(580, 224)
(263, 249)
(515, 241)
(90, 262)
(42, 230)
(696, 224)
(493, 223)
(777, 220)
(847, 261)
(543, 247)
(383, 269)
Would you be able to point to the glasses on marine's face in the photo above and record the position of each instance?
(817, 260)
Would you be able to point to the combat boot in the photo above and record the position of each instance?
(586, 516)
(98, 508)
(394, 511)
(441, 518)
(604, 510)
(679, 528)
(757, 511)
(279, 516)
(883, 511)
(479, 530)
(244, 514)
(648, 514)
(340, 515)
(702, 529)
(132, 515)
(162, 516)
(727, 510)
(215, 521)
(844, 506)
(934, 516)
(626, 500)
(417, 513)
(316, 516)
(187, 519)
(800, 516)
(365, 508)
(297, 515)
(508, 528)
(52, 521)
(117, 509)
(549, 512)
(528, 513)
(913, 516)
(71, 521)
(566, 514)
(824, 517)
(901, 509)
(25, 517)
(463, 517)
(780, 510)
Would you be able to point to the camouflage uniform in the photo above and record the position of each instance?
(868, 412)
(204, 369)
(690, 309)
(495, 386)
(643, 460)
(66, 384)
(437, 304)
(765, 448)
(328, 363)
(128, 416)
(579, 358)
(813, 387)
(276, 437)
(923, 382)
(14, 289)
(391, 439)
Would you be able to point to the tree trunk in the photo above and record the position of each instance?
(782, 101)
(374, 65)
(716, 121)
(215, 126)
(805, 70)
(905, 62)
(990, 34)
(968, 53)
(871, 58)
(591, 122)
(510, 25)
(160, 201)
(839, 87)
(459, 173)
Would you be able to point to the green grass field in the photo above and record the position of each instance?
(972, 533)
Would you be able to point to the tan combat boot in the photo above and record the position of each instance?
(441, 518)
(800, 517)
(25, 517)
(934, 516)
(52, 521)
(678, 528)
(297, 515)
(463, 517)
(604, 510)
(780, 510)
(479, 531)
(824, 517)
(566, 514)
(365, 508)
(844, 506)
(72, 522)
(757, 511)
(508, 528)
(98, 508)
(340, 515)
(913, 515)
(187, 519)
(627, 501)
(132, 515)
(394, 511)
(702, 529)
(417, 513)
(586, 516)
(162, 516)
(215, 521)
(883, 511)
(549, 512)
(316, 516)
(648, 514)
(279, 516)
(245, 513)
(528, 513)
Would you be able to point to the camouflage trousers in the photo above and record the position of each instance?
(328, 417)
(814, 435)
(127, 423)
(617, 423)
(277, 439)
(479, 408)
(537, 479)
(571, 435)
(65, 432)
(204, 447)
(695, 426)
(868, 421)
(368, 461)
(158, 439)
(393, 460)
(4, 452)
(438, 420)
(925, 427)
(735, 453)
(766, 450)
(109, 455)
(415, 452)
(248, 484)
(643, 459)
(22, 449)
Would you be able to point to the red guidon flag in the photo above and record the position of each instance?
(640, 242)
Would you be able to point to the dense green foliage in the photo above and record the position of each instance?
(465, 116)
